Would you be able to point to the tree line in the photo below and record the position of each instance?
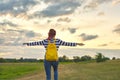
(98, 58)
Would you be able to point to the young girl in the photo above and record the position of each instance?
(58, 42)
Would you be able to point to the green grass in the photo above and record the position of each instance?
(10, 71)
(109, 70)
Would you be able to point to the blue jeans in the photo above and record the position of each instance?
(47, 65)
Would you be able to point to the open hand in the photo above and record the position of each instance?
(24, 43)
(80, 44)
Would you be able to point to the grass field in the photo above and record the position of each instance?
(10, 71)
(109, 70)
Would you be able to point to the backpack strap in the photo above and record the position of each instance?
(48, 41)
(54, 41)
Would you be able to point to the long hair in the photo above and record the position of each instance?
(51, 34)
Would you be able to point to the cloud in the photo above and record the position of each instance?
(24, 33)
(103, 45)
(101, 14)
(86, 37)
(14, 37)
(66, 19)
(49, 1)
(49, 21)
(72, 30)
(93, 4)
(53, 1)
(118, 44)
(11, 37)
(16, 6)
(2, 40)
(115, 2)
(30, 34)
(61, 1)
(59, 8)
(6, 22)
(117, 29)
(23, 8)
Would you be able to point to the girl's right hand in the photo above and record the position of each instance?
(24, 43)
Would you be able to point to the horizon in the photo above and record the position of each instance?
(38, 53)
(96, 23)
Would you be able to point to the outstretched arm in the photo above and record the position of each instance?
(63, 43)
(34, 43)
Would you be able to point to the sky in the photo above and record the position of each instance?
(96, 23)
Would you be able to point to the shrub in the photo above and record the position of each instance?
(101, 58)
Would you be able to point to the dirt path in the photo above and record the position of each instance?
(41, 75)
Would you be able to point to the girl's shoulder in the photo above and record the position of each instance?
(57, 39)
(45, 40)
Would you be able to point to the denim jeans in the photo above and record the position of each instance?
(47, 65)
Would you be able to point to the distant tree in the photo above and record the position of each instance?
(101, 58)
(76, 58)
(106, 58)
(63, 59)
(113, 58)
(2, 60)
(10, 60)
(86, 58)
(21, 59)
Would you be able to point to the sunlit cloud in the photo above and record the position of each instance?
(117, 29)
(9, 23)
(93, 4)
(103, 45)
(66, 19)
(1, 40)
(115, 2)
(86, 37)
(101, 14)
(118, 44)
(13, 37)
(72, 30)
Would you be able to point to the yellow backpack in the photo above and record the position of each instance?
(51, 52)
